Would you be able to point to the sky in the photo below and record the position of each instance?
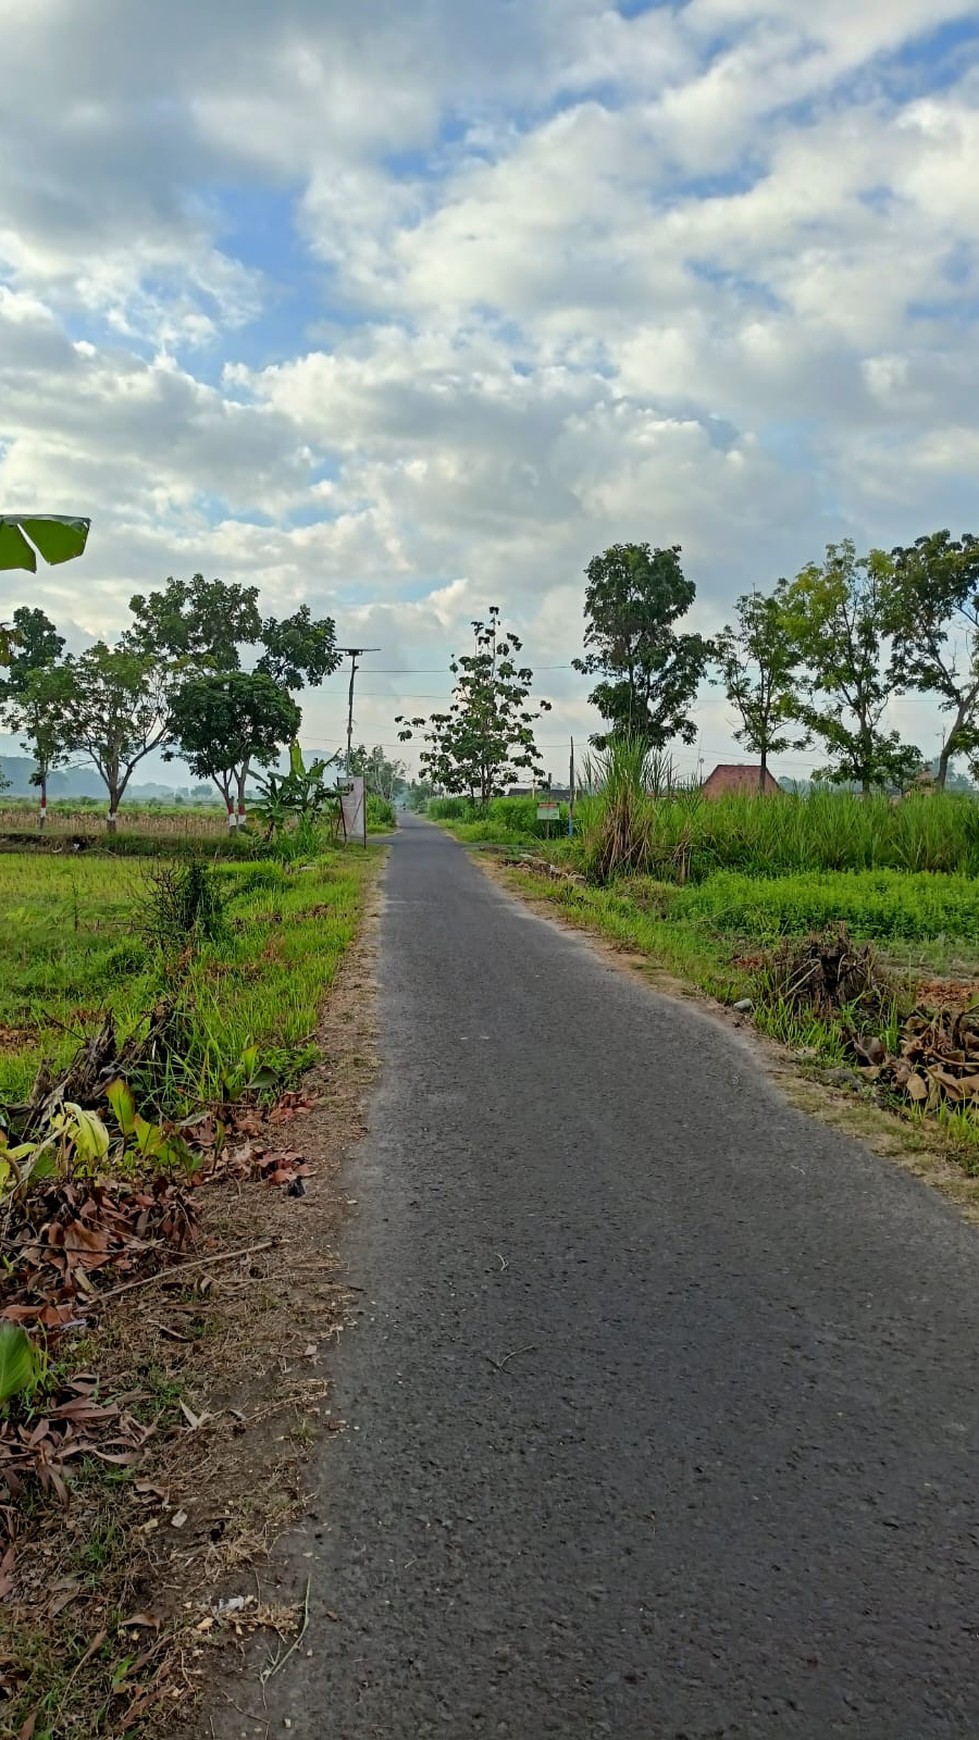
(407, 310)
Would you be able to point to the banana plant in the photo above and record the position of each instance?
(73, 1134)
(301, 795)
(21, 1363)
(148, 1141)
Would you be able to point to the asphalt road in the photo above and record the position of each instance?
(662, 1406)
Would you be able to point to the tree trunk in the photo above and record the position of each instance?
(943, 761)
(42, 818)
(948, 747)
(763, 772)
(242, 781)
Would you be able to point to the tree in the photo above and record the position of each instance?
(115, 713)
(758, 662)
(298, 650)
(35, 644)
(934, 596)
(839, 615)
(196, 622)
(225, 721)
(37, 711)
(486, 738)
(381, 774)
(32, 693)
(201, 625)
(633, 598)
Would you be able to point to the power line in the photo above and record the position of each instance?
(427, 670)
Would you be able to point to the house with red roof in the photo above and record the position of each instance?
(739, 776)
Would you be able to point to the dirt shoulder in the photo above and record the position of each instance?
(122, 1607)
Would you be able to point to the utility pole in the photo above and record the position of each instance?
(353, 653)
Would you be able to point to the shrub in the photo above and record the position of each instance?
(381, 816)
(183, 906)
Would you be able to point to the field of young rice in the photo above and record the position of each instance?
(875, 903)
(72, 949)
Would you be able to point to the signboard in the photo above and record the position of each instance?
(353, 805)
(548, 812)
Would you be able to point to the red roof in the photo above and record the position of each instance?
(737, 776)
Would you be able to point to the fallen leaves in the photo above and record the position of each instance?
(41, 1451)
(937, 1062)
(65, 1232)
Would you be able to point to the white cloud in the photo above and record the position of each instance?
(536, 278)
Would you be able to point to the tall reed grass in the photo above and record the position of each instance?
(687, 837)
(637, 822)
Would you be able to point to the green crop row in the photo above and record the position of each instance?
(885, 904)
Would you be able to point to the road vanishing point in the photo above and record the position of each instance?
(661, 1402)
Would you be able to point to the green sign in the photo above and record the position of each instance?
(548, 812)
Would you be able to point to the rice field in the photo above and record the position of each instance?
(70, 952)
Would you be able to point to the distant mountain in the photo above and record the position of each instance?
(73, 782)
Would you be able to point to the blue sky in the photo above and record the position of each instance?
(409, 310)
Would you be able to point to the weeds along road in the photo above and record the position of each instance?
(662, 1407)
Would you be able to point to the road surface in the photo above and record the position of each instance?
(662, 1406)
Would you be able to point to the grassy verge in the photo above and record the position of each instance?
(177, 1414)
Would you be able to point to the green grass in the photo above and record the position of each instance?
(503, 821)
(684, 950)
(692, 838)
(887, 904)
(689, 838)
(68, 954)
(381, 814)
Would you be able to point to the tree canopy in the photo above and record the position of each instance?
(486, 739)
(933, 616)
(649, 673)
(199, 621)
(226, 721)
(758, 663)
(115, 713)
(839, 617)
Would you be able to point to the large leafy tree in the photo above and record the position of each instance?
(35, 644)
(198, 625)
(649, 673)
(933, 615)
(486, 739)
(115, 713)
(225, 722)
(299, 651)
(32, 693)
(37, 712)
(758, 661)
(840, 618)
(195, 622)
